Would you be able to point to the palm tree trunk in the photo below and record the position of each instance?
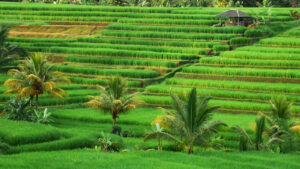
(36, 101)
(114, 121)
(114, 116)
(190, 150)
(159, 143)
(31, 99)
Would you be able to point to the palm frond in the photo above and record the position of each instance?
(242, 133)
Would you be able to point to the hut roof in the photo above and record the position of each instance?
(234, 14)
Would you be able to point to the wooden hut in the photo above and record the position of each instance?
(236, 17)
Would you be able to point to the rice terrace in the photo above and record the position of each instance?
(140, 84)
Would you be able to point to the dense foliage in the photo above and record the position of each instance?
(8, 52)
(180, 3)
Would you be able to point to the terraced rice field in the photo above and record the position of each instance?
(158, 51)
(244, 79)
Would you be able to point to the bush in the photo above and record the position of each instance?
(107, 143)
(128, 133)
(17, 109)
(253, 33)
(239, 41)
(263, 31)
(4, 147)
(219, 48)
(116, 130)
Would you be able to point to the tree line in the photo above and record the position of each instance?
(176, 3)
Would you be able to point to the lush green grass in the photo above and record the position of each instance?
(102, 82)
(169, 35)
(235, 106)
(112, 52)
(92, 159)
(237, 72)
(219, 93)
(243, 120)
(94, 71)
(244, 62)
(21, 132)
(236, 85)
(151, 43)
(260, 55)
(36, 43)
(139, 116)
(237, 29)
(120, 61)
(269, 49)
(169, 21)
(281, 41)
(148, 42)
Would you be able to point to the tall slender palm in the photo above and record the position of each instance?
(35, 77)
(8, 52)
(190, 120)
(114, 99)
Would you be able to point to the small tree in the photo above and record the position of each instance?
(114, 99)
(275, 128)
(191, 119)
(35, 77)
(261, 141)
(280, 120)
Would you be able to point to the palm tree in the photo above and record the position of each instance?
(281, 108)
(263, 138)
(280, 120)
(35, 77)
(191, 120)
(114, 99)
(159, 133)
(7, 51)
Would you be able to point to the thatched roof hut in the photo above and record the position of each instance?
(237, 17)
(234, 14)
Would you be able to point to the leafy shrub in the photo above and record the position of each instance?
(253, 33)
(219, 48)
(239, 41)
(4, 147)
(17, 109)
(128, 133)
(108, 143)
(116, 130)
(262, 31)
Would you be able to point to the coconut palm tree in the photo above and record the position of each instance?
(190, 120)
(35, 77)
(280, 120)
(263, 137)
(8, 52)
(160, 134)
(114, 99)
